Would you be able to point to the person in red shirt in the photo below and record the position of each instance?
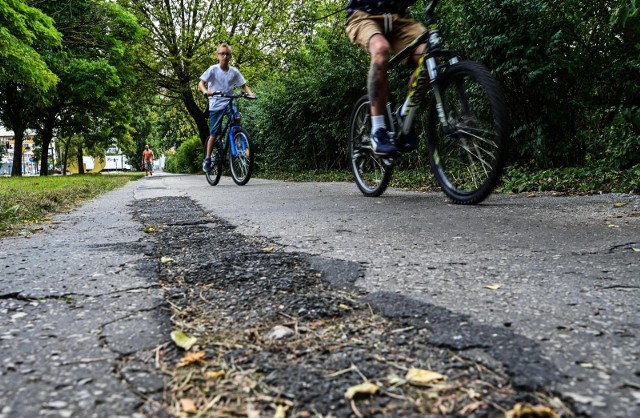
(147, 160)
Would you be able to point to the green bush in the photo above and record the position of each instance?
(567, 68)
(170, 165)
(303, 112)
(187, 159)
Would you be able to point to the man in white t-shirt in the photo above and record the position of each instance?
(219, 77)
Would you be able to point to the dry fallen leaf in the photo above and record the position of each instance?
(493, 286)
(188, 405)
(182, 340)
(214, 375)
(637, 250)
(421, 377)
(613, 226)
(586, 365)
(530, 411)
(366, 388)
(166, 260)
(189, 358)
(149, 229)
(268, 249)
(619, 205)
(281, 411)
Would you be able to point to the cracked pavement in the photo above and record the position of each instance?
(81, 313)
(80, 318)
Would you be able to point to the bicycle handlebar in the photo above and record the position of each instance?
(232, 96)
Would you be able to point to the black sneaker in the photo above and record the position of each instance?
(381, 144)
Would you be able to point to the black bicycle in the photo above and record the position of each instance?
(233, 145)
(465, 123)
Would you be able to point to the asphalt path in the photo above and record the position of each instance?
(561, 274)
(546, 288)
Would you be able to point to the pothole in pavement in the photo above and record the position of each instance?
(232, 292)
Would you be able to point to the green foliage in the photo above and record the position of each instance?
(303, 111)
(566, 68)
(24, 31)
(96, 70)
(572, 180)
(187, 158)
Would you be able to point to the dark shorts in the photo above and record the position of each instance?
(215, 121)
(148, 166)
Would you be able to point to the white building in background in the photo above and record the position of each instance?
(29, 164)
(116, 161)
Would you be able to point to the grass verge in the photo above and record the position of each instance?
(31, 200)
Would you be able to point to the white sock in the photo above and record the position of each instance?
(377, 122)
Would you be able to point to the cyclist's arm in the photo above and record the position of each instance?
(247, 90)
(203, 87)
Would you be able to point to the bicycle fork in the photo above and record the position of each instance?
(427, 67)
(232, 142)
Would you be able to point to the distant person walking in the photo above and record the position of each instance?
(147, 160)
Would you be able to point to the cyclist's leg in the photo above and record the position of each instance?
(367, 31)
(215, 125)
(378, 81)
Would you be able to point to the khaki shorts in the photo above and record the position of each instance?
(361, 26)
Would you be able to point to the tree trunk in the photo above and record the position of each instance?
(66, 156)
(47, 137)
(18, 140)
(80, 162)
(12, 104)
(199, 115)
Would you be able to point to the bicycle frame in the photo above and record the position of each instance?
(427, 67)
(232, 124)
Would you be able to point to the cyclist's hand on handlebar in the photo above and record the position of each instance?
(210, 93)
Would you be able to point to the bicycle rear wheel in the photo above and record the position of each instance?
(213, 176)
(371, 173)
(467, 156)
(241, 165)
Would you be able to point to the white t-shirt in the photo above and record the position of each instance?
(219, 80)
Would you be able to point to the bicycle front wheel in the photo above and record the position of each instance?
(467, 155)
(371, 173)
(213, 176)
(241, 165)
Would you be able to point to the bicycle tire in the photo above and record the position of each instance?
(241, 166)
(371, 173)
(467, 157)
(213, 176)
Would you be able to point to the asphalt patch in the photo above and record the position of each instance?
(286, 332)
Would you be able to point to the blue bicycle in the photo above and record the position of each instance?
(233, 146)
